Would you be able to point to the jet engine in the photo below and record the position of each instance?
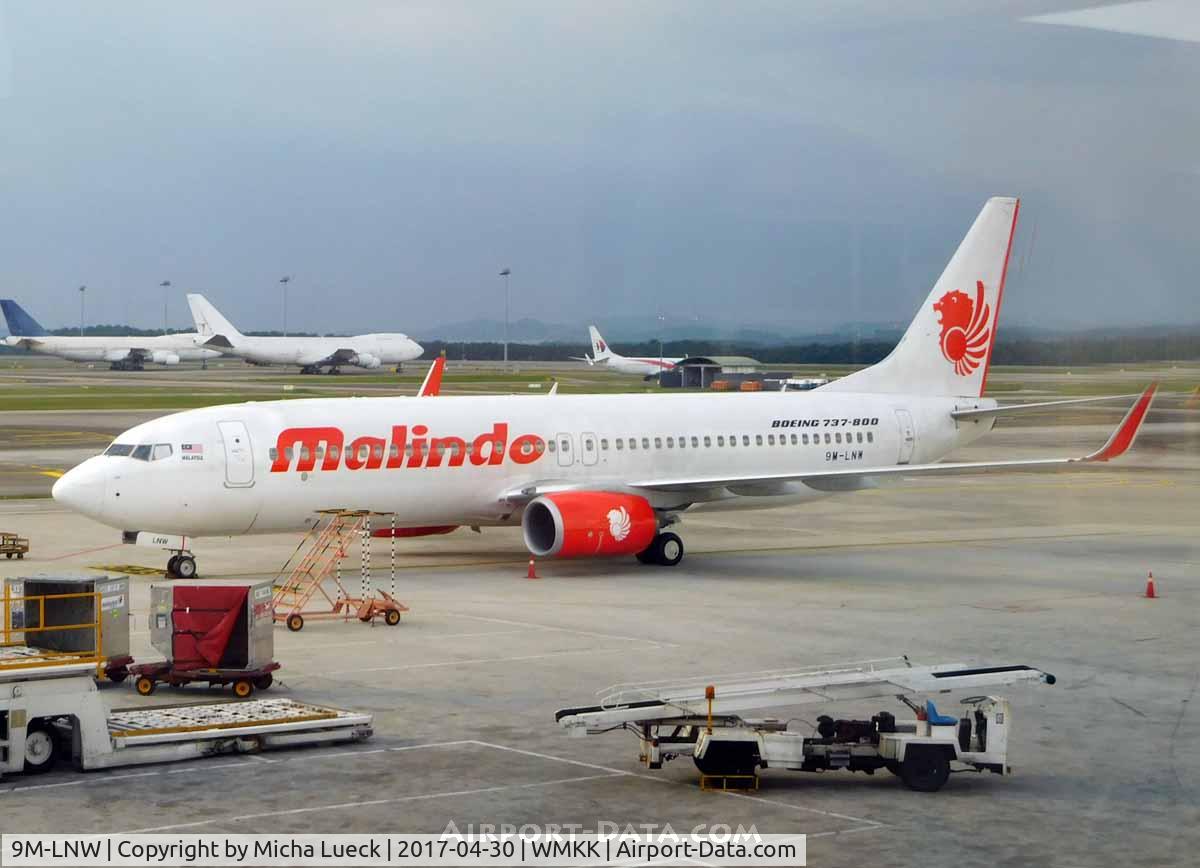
(574, 524)
(165, 357)
(366, 360)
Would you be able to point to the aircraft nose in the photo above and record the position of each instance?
(81, 489)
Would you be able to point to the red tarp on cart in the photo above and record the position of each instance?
(204, 619)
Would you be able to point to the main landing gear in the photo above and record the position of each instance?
(666, 550)
(181, 565)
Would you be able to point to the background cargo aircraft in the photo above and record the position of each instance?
(590, 474)
(602, 355)
(311, 354)
(123, 353)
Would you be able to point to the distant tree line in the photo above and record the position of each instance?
(1068, 350)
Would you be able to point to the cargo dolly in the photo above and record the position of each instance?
(702, 718)
(58, 714)
(245, 681)
(11, 544)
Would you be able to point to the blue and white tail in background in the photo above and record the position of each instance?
(600, 350)
(20, 324)
(947, 348)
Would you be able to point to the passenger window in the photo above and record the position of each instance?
(720, 440)
(838, 437)
(142, 453)
(870, 437)
(564, 446)
(589, 444)
(604, 443)
(377, 451)
(273, 453)
(526, 448)
(632, 443)
(794, 440)
(393, 451)
(620, 443)
(707, 442)
(696, 442)
(161, 451)
(550, 445)
(320, 453)
(827, 438)
(745, 439)
(119, 449)
(770, 439)
(290, 453)
(645, 442)
(670, 442)
(805, 439)
(860, 437)
(540, 447)
(733, 440)
(303, 453)
(334, 453)
(658, 443)
(758, 439)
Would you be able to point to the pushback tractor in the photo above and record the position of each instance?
(702, 719)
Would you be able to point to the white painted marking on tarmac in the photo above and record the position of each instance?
(79, 783)
(261, 759)
(793, 807)
(423, 637)
(547, 756)
(470, 662)
(370, 803)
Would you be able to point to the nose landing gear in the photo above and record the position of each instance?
(181, 565)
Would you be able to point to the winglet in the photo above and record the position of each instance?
(433, 380)
(1127, 431)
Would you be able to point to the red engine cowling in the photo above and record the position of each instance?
(574, 524)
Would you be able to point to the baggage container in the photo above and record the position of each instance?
(227, 627)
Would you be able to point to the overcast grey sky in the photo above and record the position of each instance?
(790, 163)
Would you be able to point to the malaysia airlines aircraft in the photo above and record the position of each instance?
(311, 354)
(602, 355)
(123, 353)
(583, 475)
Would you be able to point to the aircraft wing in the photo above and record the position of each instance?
(1118, 443)
(850, 479)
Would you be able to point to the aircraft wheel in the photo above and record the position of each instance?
(41, 747)
(669, 548)
(185, 567)
(648, 555)
(172, 565)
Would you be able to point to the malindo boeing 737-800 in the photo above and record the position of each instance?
(583, 475)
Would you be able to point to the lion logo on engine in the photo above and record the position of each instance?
(619, 523)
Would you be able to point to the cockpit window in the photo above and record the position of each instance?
(119, 449)
(142, 452)
(161, 451)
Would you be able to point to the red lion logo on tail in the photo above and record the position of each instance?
(965, 333)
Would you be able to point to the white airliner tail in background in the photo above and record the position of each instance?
(600, 350)
(209, 321)
(947, 348)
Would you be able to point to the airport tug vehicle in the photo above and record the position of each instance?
(702, 718)
(50, 709)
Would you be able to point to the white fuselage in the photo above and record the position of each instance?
(641, 367)
(159, 349)
(228, 470)
(364, 350)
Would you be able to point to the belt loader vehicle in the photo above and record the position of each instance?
(703, 721)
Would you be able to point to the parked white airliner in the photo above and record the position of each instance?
(122, 352)
(311, 354)
(583, 475)
(603, 356)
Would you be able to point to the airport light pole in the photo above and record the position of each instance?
(505, 274)
(285, 280)
(165, 283)
(662, 324)
(81, 289)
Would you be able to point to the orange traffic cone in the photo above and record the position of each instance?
(532, 574)
(1150, 592)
